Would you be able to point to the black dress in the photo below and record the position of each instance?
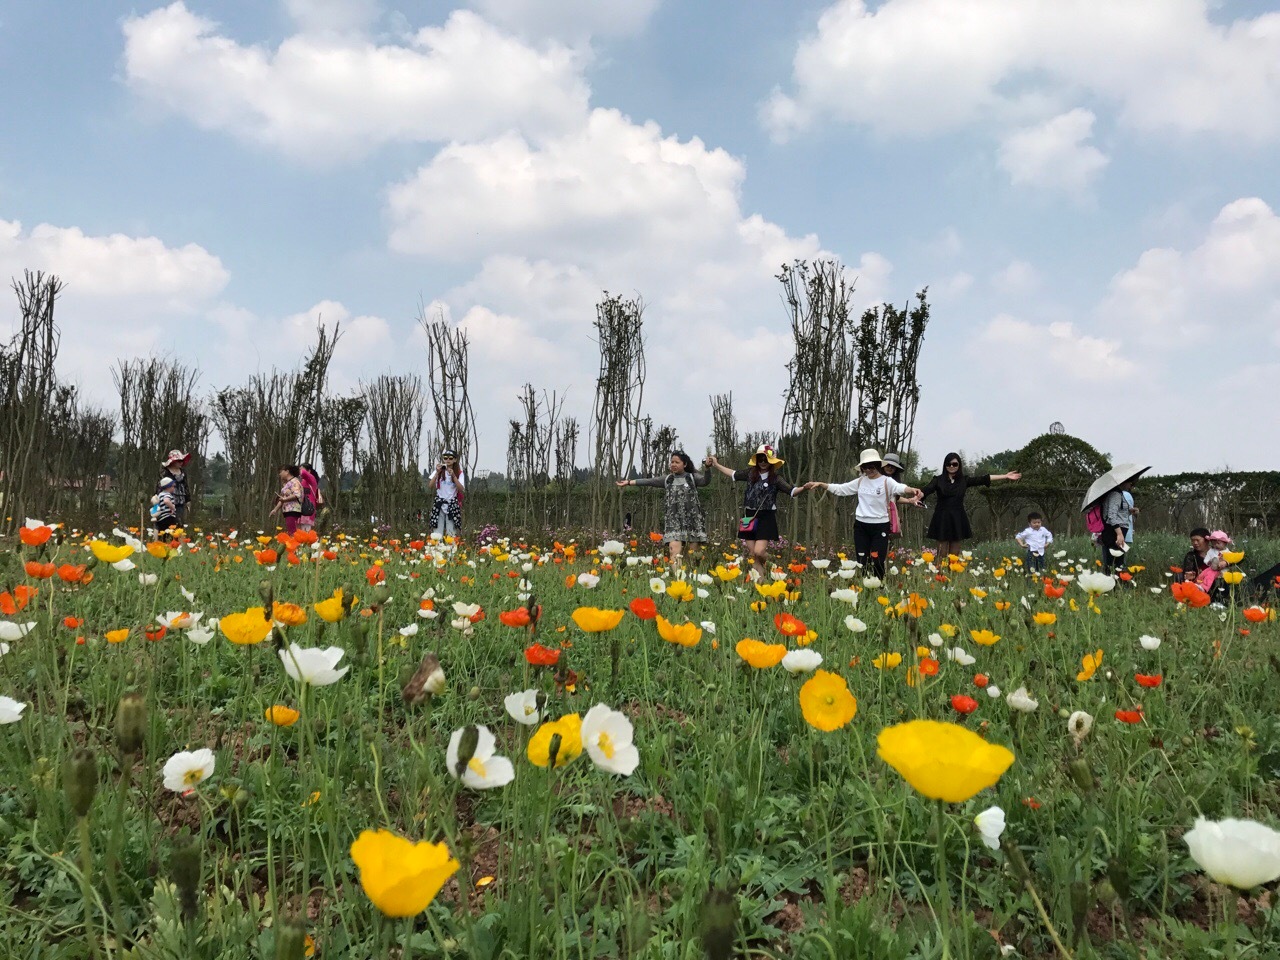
(949, 521)
(761, 502)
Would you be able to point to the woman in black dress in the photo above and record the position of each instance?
(760, 504)
(949, 525)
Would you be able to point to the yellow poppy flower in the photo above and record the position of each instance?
(679, 590)
(773, 590)
(399, 876)
(159, 550)
(1003, 605)
(725, 574)
(117, 636)
(107, 553)
(826, 702)
(333, 609)
(290, 614)
(926, 556)
(1045, 619)
(595, 620)
(282, 716)
(998, 572)
(758, 605)
(570, 730)
(808, 638)
(1232, 577)
(947, 630)
(761, 655)
(986, 638)
(1232, 556)
(686, 634)
(887, 661)
(977, 593)
(943, 761)
(1089, 664)
(246, 628)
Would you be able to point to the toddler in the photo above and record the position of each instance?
(164, 506)
(1035, 539)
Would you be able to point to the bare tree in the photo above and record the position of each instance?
(615, 414)
(159, 411)
(566, 444)
(393, 423)
(455, 419)
(888, 342)
(339, 432)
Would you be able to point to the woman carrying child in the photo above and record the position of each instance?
(871, 519)
(289, 499)
(760, 503)
(684, 522)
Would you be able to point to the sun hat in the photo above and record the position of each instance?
(448, 453)
(1220, 535)
(891, 459)
(166, 483)
(176, 456)
(870, 456)
(767, 450)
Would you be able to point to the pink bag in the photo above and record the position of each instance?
(895, 524)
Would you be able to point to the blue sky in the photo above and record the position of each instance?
(1088, 192)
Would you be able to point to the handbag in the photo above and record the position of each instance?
(748, 526)
(895, 524)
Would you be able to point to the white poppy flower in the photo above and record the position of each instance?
(147, 579)
(202, 635)
(588, 580)
(410, 631)
(125, 565)
(15, 631)
(708, 627)
(959, 656)
(990, 823)
(463, 624)
(612, 548)
(1241, 853)
(607, 735)
(705, 579)
(1021, 701)
(190, 597)
(657, 585)
(1156, 590)
(485, 770)
(820, 564)
(523, 707)
(935, 640)
(11, 710)
(993, 691)
(1149, 643)
(777, 575)
(872, 583)
(4, 649)
(526, 567)
(634, 561)
(313, 666)
(848, 564)
(845, 596)
(803, 660)
(429, 614)
(1060, 554)
(1079, 724)
(846, 574)
(467, 610)
(1095, 583)
(184, 771)
(854, 624)
(130, 539)
(179, 619)
(701, 594)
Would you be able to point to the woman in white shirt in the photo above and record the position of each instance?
(871, 519)
(449, 484)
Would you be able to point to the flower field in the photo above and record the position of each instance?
(246, 745)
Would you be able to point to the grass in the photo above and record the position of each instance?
(742, 832)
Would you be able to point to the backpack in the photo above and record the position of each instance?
(1093, 520)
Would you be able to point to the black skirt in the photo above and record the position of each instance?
(949, 523)
(766, 526)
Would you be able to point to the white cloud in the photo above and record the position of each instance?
(326, 96)
(1230, 282)
(1029, 352)
(571, 20)
(338, 16)
(922, 67)
(1015, 279)
(1054, 154)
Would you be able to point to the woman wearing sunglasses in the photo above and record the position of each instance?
(949, 525)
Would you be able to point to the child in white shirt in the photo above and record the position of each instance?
(1034, 539)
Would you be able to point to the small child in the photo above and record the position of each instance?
(164, 506)
(1216, 543)
(1034, 539)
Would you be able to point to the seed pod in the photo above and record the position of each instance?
(1106, 893)
(80, 781)
(131, 723)
(1118, 874)
(553, 749)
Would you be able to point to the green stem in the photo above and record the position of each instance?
(944, 888)
(86, 871)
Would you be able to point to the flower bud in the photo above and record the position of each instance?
(1081, 774)
(1118, 874)
(184, 871)
(473, 693)
(80, 781)
(131, 723)
(291, 941)
(1106, 893)
(1016, 863)
(467, 748)
(553, 750)
(719, 923)
(267, 591)
(381, 594)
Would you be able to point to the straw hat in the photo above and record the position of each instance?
(870, 456)
(767, 450)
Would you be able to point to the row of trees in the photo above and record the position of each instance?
(852, 383)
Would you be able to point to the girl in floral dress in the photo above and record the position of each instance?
(685, 521)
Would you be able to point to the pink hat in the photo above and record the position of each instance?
(176, 456)
(1219, 535)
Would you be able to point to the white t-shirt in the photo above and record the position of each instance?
(448, 489)
(1036, 540)
(873, 498)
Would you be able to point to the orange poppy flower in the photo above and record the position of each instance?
(266, 558)
(375, 576)
(644, 608)
(71, 572)
(39, 571)
(329, 555)
(1255, 614)
(1052, 592)
(963, 704)
(11, 603)
(797, 567)
(1125, 575)
(1129, 716)
(540, 656)
(477, 616)
(790, 626)
(928, 667)
(417, 544)
(155, 631)
(305, 537)
(655, 537)
(73, 623)
(35, 536)
(1148, 679)
(981, 679)
(427, 604)
(515, 618)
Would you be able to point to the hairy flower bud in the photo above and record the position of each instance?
(291, 941)
(80, 781)
(267, 591)
(184, 870)
(467, 748)
(131, 723)
(1081, 774)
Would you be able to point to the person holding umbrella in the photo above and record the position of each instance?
(1108, 514)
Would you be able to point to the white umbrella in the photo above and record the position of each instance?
(1121, 473)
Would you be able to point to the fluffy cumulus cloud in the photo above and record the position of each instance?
(325, 95)
(927, 67)
(1054, 154)
(571, 20)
